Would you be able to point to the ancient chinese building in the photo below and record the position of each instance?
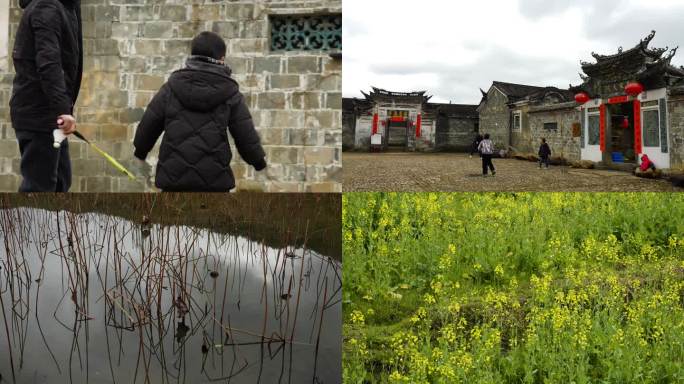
(635, 106)
(510, 113)
(630, 103)
(407, 121)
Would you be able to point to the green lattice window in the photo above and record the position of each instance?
(651, 127)
(594, 129)
(306, 32)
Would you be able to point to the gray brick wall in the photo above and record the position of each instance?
(561, 141)
(455, 134)
(348, 130)
(132, 47)
(675, 107)
(495, 118)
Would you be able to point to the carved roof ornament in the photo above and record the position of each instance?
(657, 52)
(671, 54)
(642, 47)
(384, 92)
(379, 94)
(648, 38)
(649, 66)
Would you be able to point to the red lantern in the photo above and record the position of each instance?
(634, 89)
(582, 97)
(625, 123)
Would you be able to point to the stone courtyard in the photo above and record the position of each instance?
(448, 172)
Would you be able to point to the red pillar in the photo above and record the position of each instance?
(375, 123)
(418, 124)
(602, 127)
(637, 127)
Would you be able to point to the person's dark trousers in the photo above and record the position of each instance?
(487, 164)
(545, 161)
(43, 168)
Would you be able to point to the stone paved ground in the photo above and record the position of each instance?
(417, 172)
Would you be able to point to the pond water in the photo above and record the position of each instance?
(92, 298)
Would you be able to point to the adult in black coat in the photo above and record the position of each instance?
(193, 110)
(544, 153)
(48, 61)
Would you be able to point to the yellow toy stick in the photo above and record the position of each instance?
(59, 136)
(104, 154)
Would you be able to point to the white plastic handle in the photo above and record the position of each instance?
(59, 136)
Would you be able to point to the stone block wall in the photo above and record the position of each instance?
(521, 140)
(561, 141)
(675, 109)
(455, 134)
(348, 130)
(362, 133)
(132, 47)
(495, 119)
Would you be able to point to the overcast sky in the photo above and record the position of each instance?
(453, 48)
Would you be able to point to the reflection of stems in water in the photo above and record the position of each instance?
(42, 334)
(320, 326)
(169, 271)
(9, 341)
(299, 284)
(264, 297)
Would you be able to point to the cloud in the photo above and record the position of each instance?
(534, 9)
(452, 49)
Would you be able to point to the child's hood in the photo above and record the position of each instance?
(25, 3)
(203, 86)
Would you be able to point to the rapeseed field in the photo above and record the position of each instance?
(513, 288)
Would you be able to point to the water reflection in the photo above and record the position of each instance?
(90, 298)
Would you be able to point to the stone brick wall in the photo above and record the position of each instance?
(675, 108)
(348, 130)
(132, 47)
(428, 135)
(561, 141)
(362, 134)
(454, 134)
(521, 140)
(495, 118)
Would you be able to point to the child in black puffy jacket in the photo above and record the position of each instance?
(193, 110)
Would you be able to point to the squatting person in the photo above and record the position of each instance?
(48, 61)
(486, 148)
(193, 110)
